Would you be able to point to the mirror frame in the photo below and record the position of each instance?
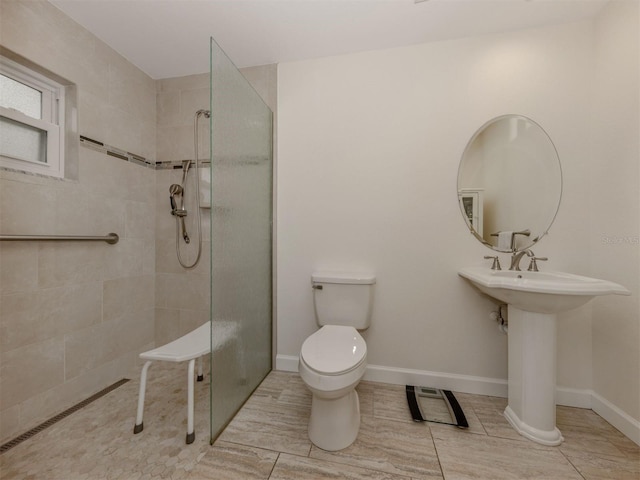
(545, 231)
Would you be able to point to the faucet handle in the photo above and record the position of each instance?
(533, 266)
(496, 262)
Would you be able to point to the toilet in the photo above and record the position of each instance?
(334, 358)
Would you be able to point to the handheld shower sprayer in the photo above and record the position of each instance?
(177, 209)
(174, 190)
(180, 212)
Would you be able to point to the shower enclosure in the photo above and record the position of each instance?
(241, 250)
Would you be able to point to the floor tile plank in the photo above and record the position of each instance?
(268, 440)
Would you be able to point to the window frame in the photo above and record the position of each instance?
(52, 119)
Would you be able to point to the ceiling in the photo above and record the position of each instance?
(170, 38)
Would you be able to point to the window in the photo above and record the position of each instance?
(32, 129)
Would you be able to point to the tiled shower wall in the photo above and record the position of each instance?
(182, 295)
(74, 315)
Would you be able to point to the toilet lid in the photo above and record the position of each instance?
(334, 349)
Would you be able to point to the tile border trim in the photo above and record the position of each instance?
(177, 164)
(116, 152)
(124, 155)
(134, 158)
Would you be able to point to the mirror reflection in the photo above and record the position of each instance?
(509, 183)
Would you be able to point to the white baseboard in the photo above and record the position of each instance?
(573, 397)
(628, 425)
(403, 376)
(495, 387)
(287, 363)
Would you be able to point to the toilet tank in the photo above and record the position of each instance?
(343, 299)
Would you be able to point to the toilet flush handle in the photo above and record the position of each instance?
(316, 287)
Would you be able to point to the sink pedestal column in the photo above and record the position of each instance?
(532, 376)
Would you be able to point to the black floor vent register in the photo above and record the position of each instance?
(432, 405)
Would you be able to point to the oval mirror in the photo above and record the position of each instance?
(509, 183)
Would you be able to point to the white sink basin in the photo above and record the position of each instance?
(534, 299)
(540, 292)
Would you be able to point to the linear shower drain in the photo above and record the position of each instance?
(44, 425)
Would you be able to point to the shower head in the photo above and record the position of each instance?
(174, 190)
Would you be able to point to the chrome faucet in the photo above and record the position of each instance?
(496, 262)
(533, 266)
(517, 256)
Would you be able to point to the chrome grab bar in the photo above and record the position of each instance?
(110, 238)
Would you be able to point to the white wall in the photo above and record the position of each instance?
(615, 209)
(369, 146)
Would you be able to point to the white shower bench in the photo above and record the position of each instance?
(194, 345)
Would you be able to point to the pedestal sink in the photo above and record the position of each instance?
(534, 299)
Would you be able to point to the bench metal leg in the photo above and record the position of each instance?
(191, 435)
(200, 375)
(143, 385)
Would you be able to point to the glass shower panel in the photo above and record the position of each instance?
(241, 208)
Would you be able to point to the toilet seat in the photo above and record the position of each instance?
(334, 350)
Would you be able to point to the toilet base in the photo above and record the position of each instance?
(334, 423)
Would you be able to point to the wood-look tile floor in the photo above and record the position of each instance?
(268, 440)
